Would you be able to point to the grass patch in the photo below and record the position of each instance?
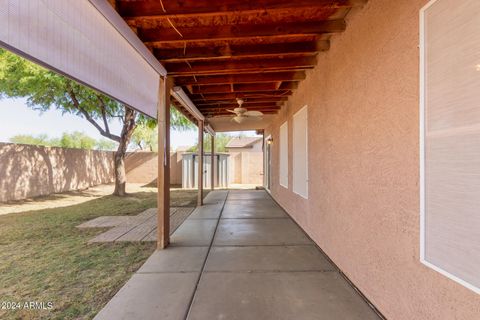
(45, 258)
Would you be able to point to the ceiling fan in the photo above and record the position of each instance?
(241, 114)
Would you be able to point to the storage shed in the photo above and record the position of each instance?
(190, 175)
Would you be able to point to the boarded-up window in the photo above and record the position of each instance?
(284, 155)
(450, 139)
(300, 153)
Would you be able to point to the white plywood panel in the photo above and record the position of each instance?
(300, 153)
(450, 143)
(284, 155)
(74, 38)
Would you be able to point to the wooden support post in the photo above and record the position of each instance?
(163, 180)
(200, 163)
(212, 165)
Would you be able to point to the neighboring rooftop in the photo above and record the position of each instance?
(242, 142)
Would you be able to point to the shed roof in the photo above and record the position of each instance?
(242, 142)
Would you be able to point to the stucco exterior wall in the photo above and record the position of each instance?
(252, 168)
(235, 167)
(142, 167)
(29, 171)
(246, 167)
(363, 207)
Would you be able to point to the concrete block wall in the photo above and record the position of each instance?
(246, 167)
(142, 167)
(28, 171)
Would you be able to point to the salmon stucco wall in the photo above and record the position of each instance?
(28, 171)
(142, 167)
(363, 207)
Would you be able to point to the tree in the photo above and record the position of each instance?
(221, 141)
(39, 140)
(76, 139)
(105, 145)
(45, 89)
(145, 136)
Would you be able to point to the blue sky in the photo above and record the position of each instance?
(17, 118)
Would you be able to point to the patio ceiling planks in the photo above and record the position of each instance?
(220, 50)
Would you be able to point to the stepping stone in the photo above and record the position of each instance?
(112, 234)
(152, 236)
(141, 231)
(104, 222)
(148, 213)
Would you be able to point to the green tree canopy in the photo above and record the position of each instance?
(76, 139)
(38, 140)
(221, 141)
(145, 137)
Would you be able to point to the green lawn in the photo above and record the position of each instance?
(44, 258)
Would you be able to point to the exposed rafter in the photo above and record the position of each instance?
(250, 65)
(242, 78)
(234, 105)
(154, 9)
(200, 103)
(246, 95)
(235, 31)
(252, 50)
(226, 88)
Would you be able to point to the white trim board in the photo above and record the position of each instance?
(283, 154)
(300, 153)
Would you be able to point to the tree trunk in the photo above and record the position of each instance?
(119, 162)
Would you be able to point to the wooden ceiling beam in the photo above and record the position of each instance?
(241, 78)
(200, 103)
(251, 50)
(235, 31)
(235, 105)
(226, 88)
(246, 95)
(153, 9)
(226, 113)
(251, 65)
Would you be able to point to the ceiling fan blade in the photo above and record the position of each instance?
(240, 110)
(253, 114)
(238, 119)
(232, 111)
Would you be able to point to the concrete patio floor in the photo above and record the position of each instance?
(240, 256)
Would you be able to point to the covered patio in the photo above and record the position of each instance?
(240, 256)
